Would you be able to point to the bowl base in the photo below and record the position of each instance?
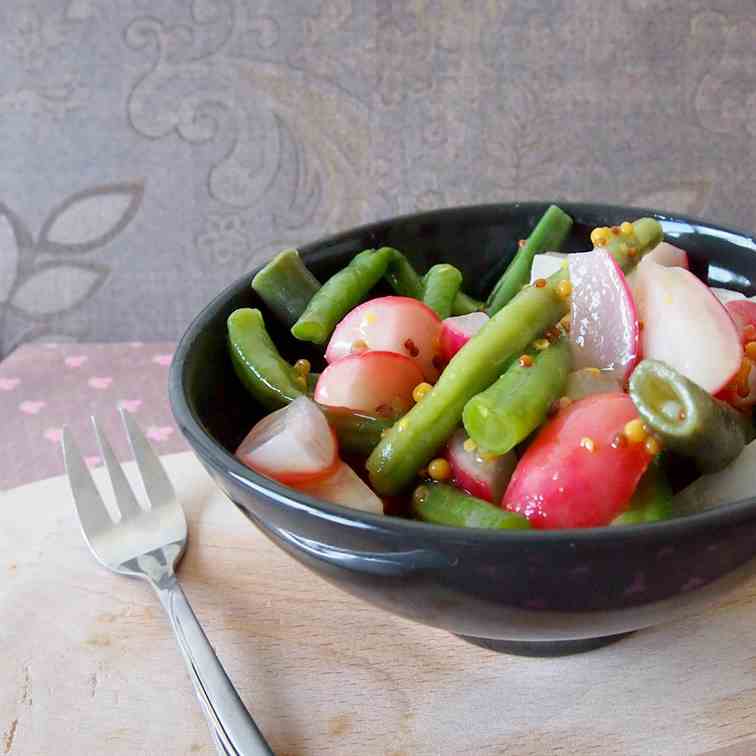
(544, 649)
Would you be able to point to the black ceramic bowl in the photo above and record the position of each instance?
(530, 592)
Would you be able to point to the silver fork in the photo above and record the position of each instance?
(149, 543)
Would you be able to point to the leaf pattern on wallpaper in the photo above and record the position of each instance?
(41, 279)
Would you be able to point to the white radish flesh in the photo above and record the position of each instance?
(604, 329)
(344, 487)
(292, 444)
(582, 383)
(546, 264)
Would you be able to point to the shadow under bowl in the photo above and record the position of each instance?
(527, 592)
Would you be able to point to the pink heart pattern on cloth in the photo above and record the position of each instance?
(100, 382)
(76, 360)
(44, 387)
(32, 408)
(163, 359)
(130, 405)
(159, 433)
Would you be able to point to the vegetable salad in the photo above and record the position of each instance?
(562, 401)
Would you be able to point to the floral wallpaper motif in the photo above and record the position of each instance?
(258, 126)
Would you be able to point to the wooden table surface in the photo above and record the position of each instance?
(90, 665)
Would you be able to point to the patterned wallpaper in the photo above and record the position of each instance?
(152, 150)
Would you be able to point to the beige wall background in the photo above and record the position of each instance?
(152, 150)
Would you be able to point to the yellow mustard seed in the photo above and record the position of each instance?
(525, 361)
(652, 445)
(587, 443)
(564, 289)
(632, 251)
(488, 456)
(420, 494)
(600, 236)
(635, 431)
(439, 469)
(421, 391)
(593, 370)
(302, 366)
(541, 344)
(469, 446)
(539, 283)
(359, 345)
(626, 228)
(615, 230)
(750, 350)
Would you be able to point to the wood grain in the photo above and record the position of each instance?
(90, 666)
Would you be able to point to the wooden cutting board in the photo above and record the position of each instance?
(89, 664)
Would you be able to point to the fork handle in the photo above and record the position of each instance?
(230, 723)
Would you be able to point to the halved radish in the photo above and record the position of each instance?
(292, 445)
(457, 331)
(485, 478)
(725, 296)
(743, 314)
(390, 324)
(344, 487)
(686, 327)
(378, 383)
(545, 264)
(668, 255)
(588, 381)
(604, 329)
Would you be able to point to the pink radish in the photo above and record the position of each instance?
(374, 382)
(743, 313)
(668, 255)
(604, 330)
(344, 487)
(457, 331)
(390, 324)
(685, 326)
(546, 264)
(486, 479)
(589, 381)
(292, 445)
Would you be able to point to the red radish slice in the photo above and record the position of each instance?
(686, 327)
(725, 296)
(486, 479)
(292, 445)
(344, 487)
(390, 324)
(545, 264)
(457, 331)
(374, 382)
(574, 474)
(590, 381)
(604, 330)
(668, 255)
(743, 314)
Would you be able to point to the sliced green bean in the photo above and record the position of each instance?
(402, 277)
(510, 409)
(257, 363)
(548, 235)
(627, 247)
(406, 282)
(440, 287)
(687, 418)
(286, 286)
(341, 293)
(414, 439)
(446, 505)
(652, 499)
(358, 433)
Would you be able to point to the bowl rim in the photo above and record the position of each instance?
(225, 463)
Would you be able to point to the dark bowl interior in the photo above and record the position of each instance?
(535, 588)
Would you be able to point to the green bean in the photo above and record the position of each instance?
(358, 433)
(628, 247)
(257, 363)
(440, 286)
(686, 418)
(402, 277)
(414, 439)
(273, 382)
(286, 286)
(406, 282)
(341, 293)
(510, 409)
(465, 304)
(652, 498)
(446, 505)
(548, 235)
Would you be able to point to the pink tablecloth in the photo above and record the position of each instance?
(44, 386)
